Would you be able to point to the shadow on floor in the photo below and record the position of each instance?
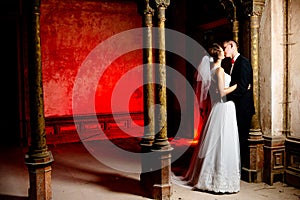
(9, 197)
(90, 171)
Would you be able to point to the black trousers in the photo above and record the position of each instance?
(244, 123)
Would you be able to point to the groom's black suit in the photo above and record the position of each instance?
(242, 75)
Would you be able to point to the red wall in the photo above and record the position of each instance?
(70, 30)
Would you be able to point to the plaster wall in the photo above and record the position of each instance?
(272, 67)
(70, 30)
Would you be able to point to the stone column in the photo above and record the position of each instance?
(149, 132)
(161, 139)
(38, 159)
(235, 26)
(161, 146)
(252, 171)
(148, 78)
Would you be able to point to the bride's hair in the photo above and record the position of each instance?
(214, 51)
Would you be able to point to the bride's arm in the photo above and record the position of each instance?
(230, 89)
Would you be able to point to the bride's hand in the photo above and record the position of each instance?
(234, 86)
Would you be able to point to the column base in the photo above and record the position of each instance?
(146, 177)
(251, 176)
(162, 189)
(156, 174)
(274, 165)
(252, 170)
(40, 178)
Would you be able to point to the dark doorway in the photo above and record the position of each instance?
(10, 131)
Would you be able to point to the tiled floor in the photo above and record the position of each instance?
(78, 175)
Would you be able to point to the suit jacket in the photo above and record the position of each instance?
(242, 75)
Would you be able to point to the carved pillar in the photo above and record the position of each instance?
(161, 146)
(38, 159)
(148, 78)
(149, 132)
(252, 171)
(161, 139)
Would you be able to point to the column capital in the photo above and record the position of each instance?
(253, 7)
(162, 3)
(148, 9)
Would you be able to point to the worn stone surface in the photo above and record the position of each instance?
(40, 183)
(77, 175)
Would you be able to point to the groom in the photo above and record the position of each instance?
(242, 75)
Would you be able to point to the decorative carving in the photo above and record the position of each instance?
(253, 7)
(258, 6)
(162, 3)
(278, 157)
(148, 8)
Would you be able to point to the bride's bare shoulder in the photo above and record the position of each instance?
(219, 70)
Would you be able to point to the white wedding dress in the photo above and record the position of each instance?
(215, 164)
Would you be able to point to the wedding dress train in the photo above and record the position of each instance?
(215, 164)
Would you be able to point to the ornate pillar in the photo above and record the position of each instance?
(38, 159)
(161, 139)
(149, 132)
(148, 78)
(252, 171)
(161, 146)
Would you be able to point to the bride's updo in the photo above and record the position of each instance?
(214, 51)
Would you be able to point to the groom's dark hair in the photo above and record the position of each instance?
(231, 40)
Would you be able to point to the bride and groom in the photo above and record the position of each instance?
(216, 162)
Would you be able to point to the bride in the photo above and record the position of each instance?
(215, 164)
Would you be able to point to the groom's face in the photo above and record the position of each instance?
(228, 49)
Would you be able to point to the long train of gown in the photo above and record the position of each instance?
(215, 164)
